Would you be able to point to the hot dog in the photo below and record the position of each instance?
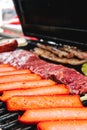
(25, 84)
(21, 71)
(47, 90)
(63, 125)
(7, 68)
(19, 77)
(4, 65)
(53, 114)
(35, 102)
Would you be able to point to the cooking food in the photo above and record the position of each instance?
(21, 71)
(19, 77)
(61, 25)
(84, 69)
(9, 46)
(59, 51)
(53, 114)
(7, 68)
(63, 125)
(22, 59)
(37, 97)
(65, 54)
(40, 96)
(46, 101)
(75, 51)
(25, 84)
(48, 55)
(65, 51)
(45, 90)
(5, 65)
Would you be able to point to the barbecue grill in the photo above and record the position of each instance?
(8, 120)
(52, 22)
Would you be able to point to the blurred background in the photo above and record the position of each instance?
(9, 22)
(7, 11)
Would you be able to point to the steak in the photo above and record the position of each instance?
(76, 82)
(19, 58)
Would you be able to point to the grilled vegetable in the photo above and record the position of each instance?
(84, 69)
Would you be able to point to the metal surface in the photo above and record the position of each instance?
(68, 36)
(9, 120)
(53, 18)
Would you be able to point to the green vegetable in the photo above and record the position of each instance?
(84, 69)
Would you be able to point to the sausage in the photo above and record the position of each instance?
(53, 114)
(25, 84)
(21, 71)
(19, 77)
(46, 90)
(4, 65)
(35, 102)
(63, 125)
(9, 46)
(6, 68)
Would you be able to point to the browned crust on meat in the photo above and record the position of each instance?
(48, 55)
(10, 46)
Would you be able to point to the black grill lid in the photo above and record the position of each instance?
(66, 19)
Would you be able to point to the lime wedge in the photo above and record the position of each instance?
(84, 69)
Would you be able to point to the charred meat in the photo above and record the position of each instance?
(66, 54)
(48, 55)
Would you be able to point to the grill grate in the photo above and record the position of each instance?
(9, 121)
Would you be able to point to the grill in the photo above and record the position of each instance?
(64, 34)
(8, 120)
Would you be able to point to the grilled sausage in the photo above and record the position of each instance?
(10, 46)
(36, 102)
